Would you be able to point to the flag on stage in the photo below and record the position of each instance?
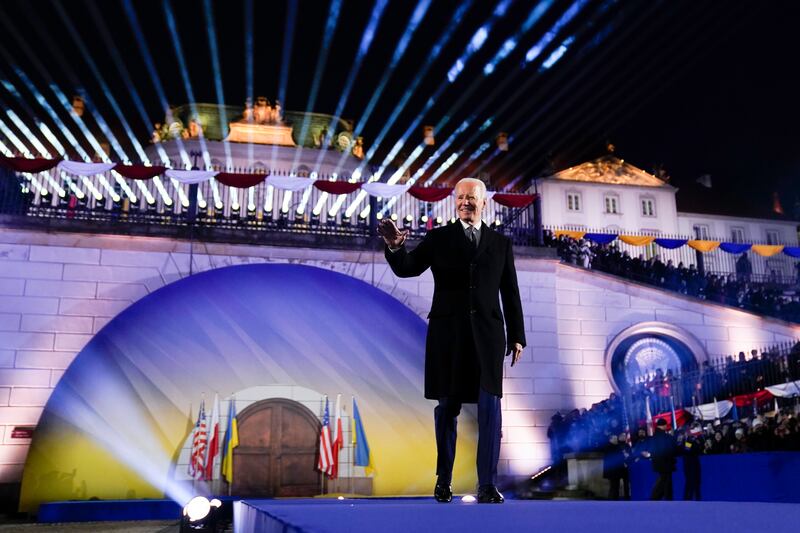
(363, 456)
(734, 413)
(212, 450)
(199, 437)
(648, 415)
(230, 442)
(338, 437)
(325, 463)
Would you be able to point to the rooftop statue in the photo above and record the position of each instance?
(262, 112)
(261, 123)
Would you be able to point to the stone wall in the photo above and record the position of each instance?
(57, 290)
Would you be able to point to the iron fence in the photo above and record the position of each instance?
(778, 269)
(112, 203)
(716, 379)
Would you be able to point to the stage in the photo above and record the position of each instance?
(396, 515)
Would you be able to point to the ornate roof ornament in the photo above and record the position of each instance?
(609, 169)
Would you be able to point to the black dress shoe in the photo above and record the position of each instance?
(489, 494)
(443, 493)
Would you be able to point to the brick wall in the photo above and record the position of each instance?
(57, 290)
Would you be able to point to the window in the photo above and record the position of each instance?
(573, 201)
(648, 207)
(773, 236)
(612, 204)
(737, 234)
(701, 231)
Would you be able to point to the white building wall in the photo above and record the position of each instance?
(755, 229)
(593, 215)
(57, 290)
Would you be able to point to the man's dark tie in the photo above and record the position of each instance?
(473, 239)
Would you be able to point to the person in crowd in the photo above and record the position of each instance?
(739, 290)
(739, 445)
(661, 450)
(718, 444)
(744, 269)
(691, 449)
(614, 465)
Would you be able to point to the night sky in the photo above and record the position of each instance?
(693, 87)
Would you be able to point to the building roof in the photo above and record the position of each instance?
(610, 170)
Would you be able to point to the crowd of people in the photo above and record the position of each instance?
(604, 428)
(769, 297)
(720, 378)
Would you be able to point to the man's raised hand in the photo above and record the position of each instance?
(393, 237)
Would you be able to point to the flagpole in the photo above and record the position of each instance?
(352, 448)
(352, 470)
(322, 473)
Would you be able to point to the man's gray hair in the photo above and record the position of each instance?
(474, 181)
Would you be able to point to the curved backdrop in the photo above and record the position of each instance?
(115, 423)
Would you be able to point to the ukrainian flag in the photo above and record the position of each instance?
(231, 441)
(363, 456)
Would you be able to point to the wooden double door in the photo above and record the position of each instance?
(277, 452)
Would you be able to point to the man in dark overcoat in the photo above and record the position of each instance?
(468, 331)
(662, 449)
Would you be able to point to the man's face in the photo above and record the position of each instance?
(469, 203)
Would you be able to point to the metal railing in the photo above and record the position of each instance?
(212, 206)
(778, 267)
(719, 378)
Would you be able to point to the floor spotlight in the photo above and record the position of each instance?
(200, 514)
(407, 221)
(438, 221)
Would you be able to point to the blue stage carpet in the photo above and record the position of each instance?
(423, 514)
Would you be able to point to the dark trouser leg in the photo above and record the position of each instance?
(613, 488)
(697, 487)
(626, 487)
(668, 486)
(489, 427)
(445, 418)
(688, 488)
(692, 491)
(660, 487)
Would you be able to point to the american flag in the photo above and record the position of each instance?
(199, 438)
(325, 463)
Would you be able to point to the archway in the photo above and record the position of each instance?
(648, 346)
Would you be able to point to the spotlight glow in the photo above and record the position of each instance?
(212, 43)
(363, 48)
(133, 22)
(21, 148)
(536, 50)
(330, 29)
